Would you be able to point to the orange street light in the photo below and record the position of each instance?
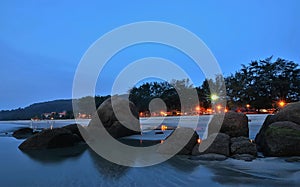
(281, 103)
(164, 127)
(199, 140)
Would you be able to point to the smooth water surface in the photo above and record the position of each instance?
(80, 166)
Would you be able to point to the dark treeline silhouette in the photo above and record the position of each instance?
(260, 84)
(263, 83)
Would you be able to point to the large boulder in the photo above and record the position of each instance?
(282, 139)
(50, 138)
(74, 129)
(118, 116)
(175, 142)
(217, 143)
(259, 138)
(23, 133)
(234, 124)
(242, 145)
(280, 133)
(289, 113)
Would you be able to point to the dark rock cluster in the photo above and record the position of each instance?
(232, 140)
(53, 138)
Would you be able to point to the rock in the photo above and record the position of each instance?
(242, 145)
(259, 138)
(73, 128)
(55, 155)
(245, 157)
(279, 133)
(289, 113)
(216, 143)
(209, 157)
(234, 124)
(50, 138)
(282, 139)
(175, 142)
(23, 133)
(119, 118)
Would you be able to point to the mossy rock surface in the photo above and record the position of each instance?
(282, 128)
(282, 139)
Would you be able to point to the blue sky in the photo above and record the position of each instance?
(42, 42)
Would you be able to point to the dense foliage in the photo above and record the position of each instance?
(261, 84)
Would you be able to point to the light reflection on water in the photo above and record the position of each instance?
(80, 166)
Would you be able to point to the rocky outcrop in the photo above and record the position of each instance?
(23, 133)
(280, 133)
(242, 145)
(234, 124)
(175, 142)
(289, 113)
(74, 129)
(282, 139)
(217, 143)
(231, 140)
(118, 116)
(50, 138)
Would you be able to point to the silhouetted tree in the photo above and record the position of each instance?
(262, 83)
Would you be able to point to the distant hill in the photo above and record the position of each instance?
(36, 110)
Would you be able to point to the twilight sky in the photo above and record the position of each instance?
(42, 42)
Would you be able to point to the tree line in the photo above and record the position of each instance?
(260, 84)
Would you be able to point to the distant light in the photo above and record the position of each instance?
(219, 107)
(197, 108)
(164, 127)
(199, 140)
(162, 113)
(281, 103)
(214, 97)
(248, 105)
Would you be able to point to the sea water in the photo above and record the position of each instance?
(83, 167)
